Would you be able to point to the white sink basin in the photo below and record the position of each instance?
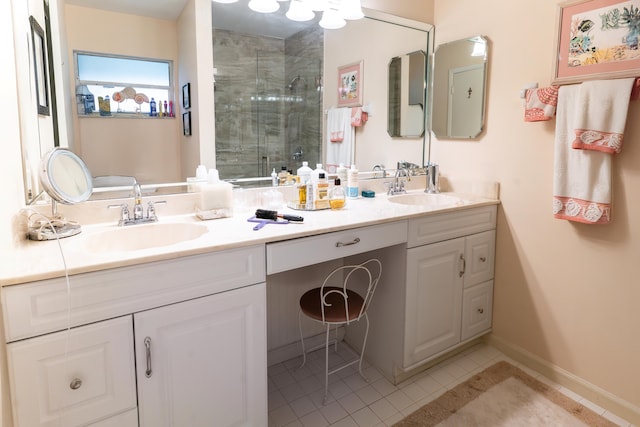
(144, 236)
(425, 199)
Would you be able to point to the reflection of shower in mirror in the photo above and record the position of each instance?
(297, 82)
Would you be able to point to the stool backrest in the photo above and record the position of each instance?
(372, 270)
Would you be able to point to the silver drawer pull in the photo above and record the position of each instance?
(75, 384)
(147, 345)
(463, 265)
(353, 242)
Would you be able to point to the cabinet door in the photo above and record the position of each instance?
(479, 254)
(434, 299)
(74, 378)
(477, 309)
(203, 362)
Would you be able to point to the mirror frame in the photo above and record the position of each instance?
(436, 88)
(50, 167)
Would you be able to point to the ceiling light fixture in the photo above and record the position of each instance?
(334, 12)
(299, 10)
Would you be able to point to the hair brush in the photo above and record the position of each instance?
(273, 215)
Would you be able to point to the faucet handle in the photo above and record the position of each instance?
(124, 212)
(151, 209)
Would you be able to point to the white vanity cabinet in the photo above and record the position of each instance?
(449, 281)
(179, 342)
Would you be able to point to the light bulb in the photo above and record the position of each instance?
(299, 11)
(331, 19)
(264, 6)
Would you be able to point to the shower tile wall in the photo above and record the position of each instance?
(261, 119)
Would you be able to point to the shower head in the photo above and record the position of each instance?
(297, 80)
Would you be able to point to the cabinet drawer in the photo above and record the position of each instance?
(477, 310)
(479, 255)
(449, 225)
(75, 377)
(305, 251)
(46, 306)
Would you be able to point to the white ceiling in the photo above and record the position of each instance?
(236, 16)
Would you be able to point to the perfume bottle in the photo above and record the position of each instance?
(337, 197)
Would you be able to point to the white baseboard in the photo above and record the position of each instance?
(595, 394)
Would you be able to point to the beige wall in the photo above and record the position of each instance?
(568, 293)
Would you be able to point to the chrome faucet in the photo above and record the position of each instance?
(138, 209)
(397, 186)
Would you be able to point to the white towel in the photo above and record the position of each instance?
(582, 179)
(337, 120)
(343, 151)
(601, 114)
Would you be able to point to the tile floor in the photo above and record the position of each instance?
(295, 394)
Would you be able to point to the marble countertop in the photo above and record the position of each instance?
(43, 260)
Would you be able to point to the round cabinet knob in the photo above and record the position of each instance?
(483, 259)
(75, 384)
(481, 310)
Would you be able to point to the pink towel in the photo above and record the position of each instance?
(540, 104)
(358, 117)
(601, 115)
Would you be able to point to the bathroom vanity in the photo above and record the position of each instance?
(177, 334)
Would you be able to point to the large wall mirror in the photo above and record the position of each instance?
(265, 119)
(459, 82)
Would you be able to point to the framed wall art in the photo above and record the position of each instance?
(41, 74)
(186, 123)
(597, 39)
(350, 84)
(186, 96)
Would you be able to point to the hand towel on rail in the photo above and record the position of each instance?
(581, 178)
(601, 114)
(540, 104)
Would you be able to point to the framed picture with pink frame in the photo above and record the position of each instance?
(597, 39)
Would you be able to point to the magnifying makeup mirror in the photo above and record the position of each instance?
(66, 178)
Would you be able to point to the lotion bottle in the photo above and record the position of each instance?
(352, 183)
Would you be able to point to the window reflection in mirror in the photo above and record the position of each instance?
(459, 81)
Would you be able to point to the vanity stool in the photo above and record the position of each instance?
(339, 305)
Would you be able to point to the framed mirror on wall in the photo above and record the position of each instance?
(459, 88)
(407, 95)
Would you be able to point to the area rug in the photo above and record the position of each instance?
(503, 395)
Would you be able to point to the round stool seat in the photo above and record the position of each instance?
(334, 310)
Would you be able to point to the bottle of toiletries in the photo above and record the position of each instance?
(309, 195)
(283, 176)
(274, 178)
(321, 195)
(152, 108)
(352, 182)
(304, 172)
(315, 174)
(171, 113)
(342, 172)
(159, 108)
(166, 110)
(337, 196)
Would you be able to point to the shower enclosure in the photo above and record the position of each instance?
(268, 102)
